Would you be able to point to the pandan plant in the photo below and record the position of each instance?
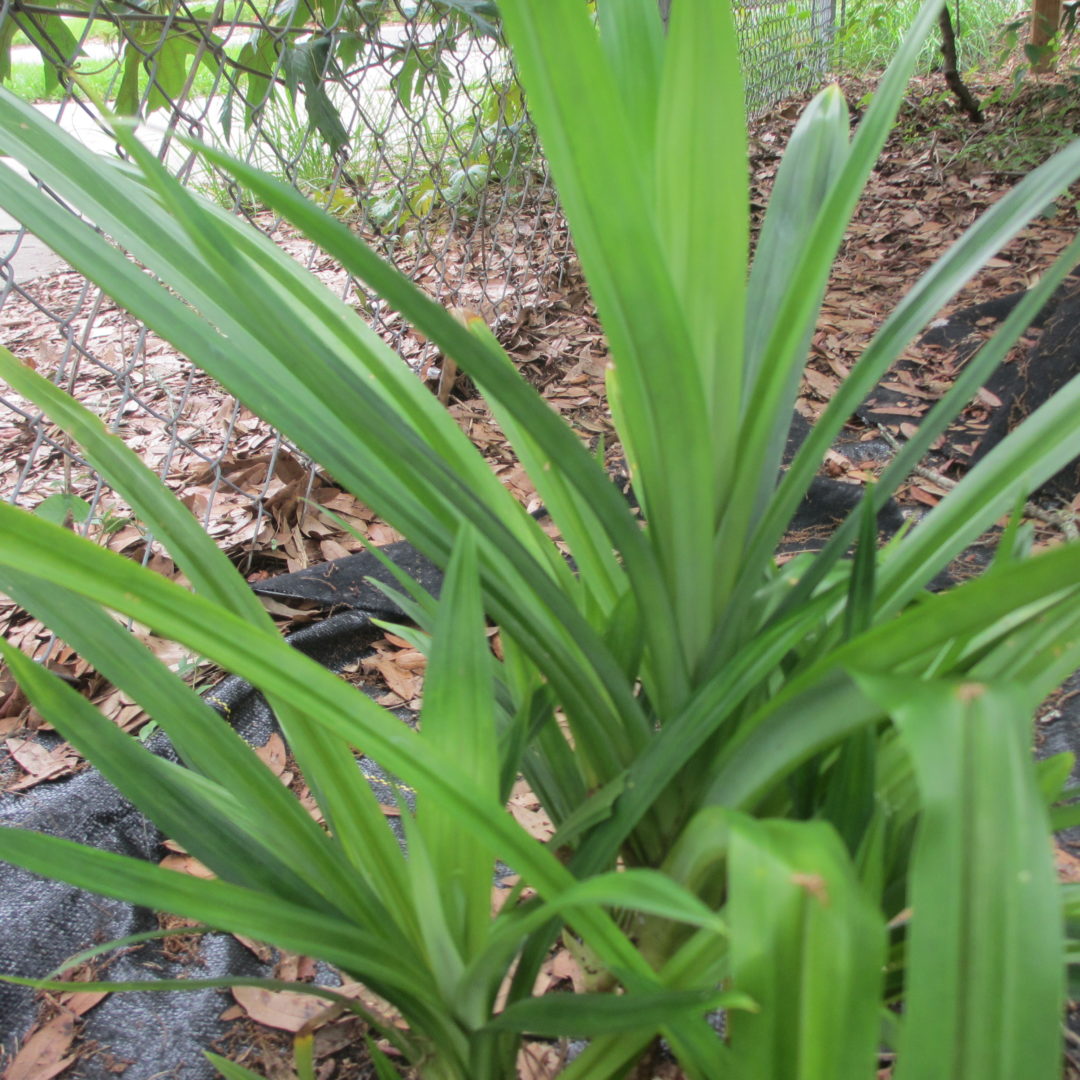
(800, 796)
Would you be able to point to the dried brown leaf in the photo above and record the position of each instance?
(45, 1053)
(284, 1010)
(1068, 865)
(273, 754)
(186, 864)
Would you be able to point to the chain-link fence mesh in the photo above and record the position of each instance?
(404, 120)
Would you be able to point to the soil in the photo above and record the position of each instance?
(937, 174)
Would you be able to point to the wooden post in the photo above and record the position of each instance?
(1045, 20)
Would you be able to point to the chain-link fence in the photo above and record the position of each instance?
(404, 120)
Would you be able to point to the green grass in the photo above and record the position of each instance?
(73, 24)
(101, 75)
(874, 29)
(1029, 122)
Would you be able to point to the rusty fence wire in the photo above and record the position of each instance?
(403, 119)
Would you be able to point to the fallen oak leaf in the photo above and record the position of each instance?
(1068, 866)
(400, 682)
(262, 951)
(80, 1002)
(186, 864)
(535, 823)
(45, 1053)
(924, 497)
(540, 1061)
(40, 763)
(273, 754)
(285, 1010)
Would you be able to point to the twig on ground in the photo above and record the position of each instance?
(1063, 519)
(448, 374)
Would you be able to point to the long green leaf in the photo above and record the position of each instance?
(583, 1016)
(703, 207)
(974, 374)
(458, 720)
(814, 158)
(438, 914)
(205, 743)
(208, 820)
(632, 37)
(329, 766)
(205, 564)
(823, 704)
(44, 550)
(581, 523)
(816, 151)
(230, 1070)
(402, 475)
(984, 985)
(653, 392)
(795, 311)
(477, 354)
(216, 903)
(808, 946)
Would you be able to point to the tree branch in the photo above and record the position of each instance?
(952, 76)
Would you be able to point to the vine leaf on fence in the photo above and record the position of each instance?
(420, 66)
(305, 65)
(478, 12)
